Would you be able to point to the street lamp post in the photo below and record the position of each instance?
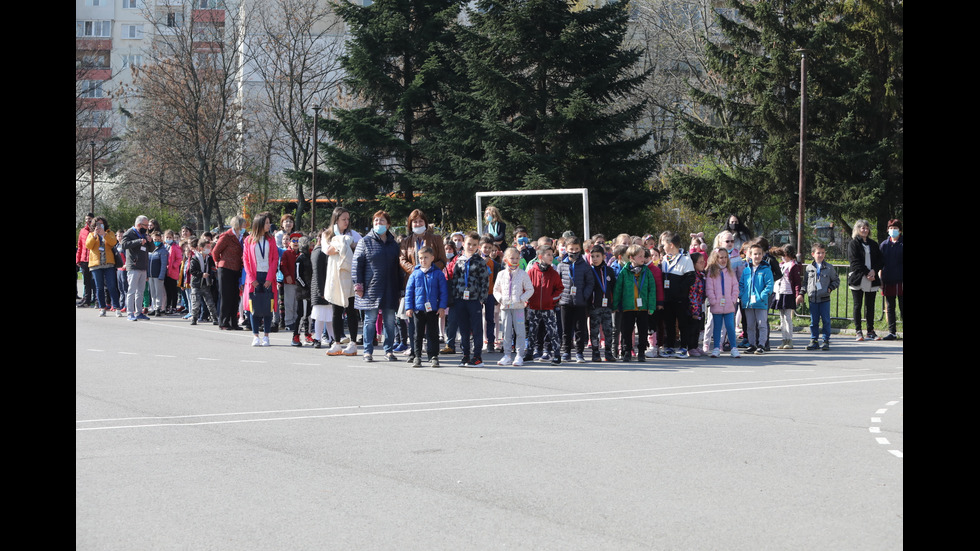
(802, 204)
(92, 170)
(316, 146)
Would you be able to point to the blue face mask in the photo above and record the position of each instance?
(157, 243)
(893, 233)
(380, 229)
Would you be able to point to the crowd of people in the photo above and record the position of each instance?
(624, 299)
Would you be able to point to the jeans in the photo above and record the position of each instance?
(369, 332)
(820, 313)
(726, 320)
(105, 280)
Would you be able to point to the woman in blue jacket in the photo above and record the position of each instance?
(377, 283)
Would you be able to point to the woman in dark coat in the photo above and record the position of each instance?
(377, 283)
(865, 259)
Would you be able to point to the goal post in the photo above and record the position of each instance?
(584, 192)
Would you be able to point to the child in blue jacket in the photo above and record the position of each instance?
(426, 297)
(756, 288)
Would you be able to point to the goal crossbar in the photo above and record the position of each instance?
(584, 192)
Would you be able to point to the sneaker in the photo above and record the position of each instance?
(682, 353)
(668, 353)
(335, 350)
(555, 361)
(447, 350)
(265, 341)
(888, 337)
(860, 336)
(119, 313)
(477, 362)
(351, 350)
(627, 357)
(596, 357)
(391, 357)
(464, 362)
(694, 352)
(579, 359)
(536, 356)
(566, 357)
(102, 313)
(735, 353)
(368, 358)
(528, 357)
(131, 317)
(814, 345)
(872, 336)
(317, 343)
(400, 347)
(716, 353)
(417, 362)
(142, 317)
(518, 361)
(760, 351)
(654, 353)
(188, 316)
(193, 321)
(309, 338)
(256, 341)
(545, 358)
(435, 362)
(751, 349)
(296, 341)
(641, 357)
(609, 356)
(506, 360)
(825, 346)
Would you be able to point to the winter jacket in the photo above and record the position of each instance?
(338, 285)
(470, 274)
(757, 285)
(303, 269)
(632, 286)
(137, 255)
(158, 263)
(174, 256)
(227, 252)
(426, 286)
(198, 269)
(318, 267)
(696, 295)
(828, 281)
(81, 251)
(579, 275)
(857, 269)
(93, 243)
(605, 285)
(409, 251)
(678, 275)
(249, 268)
(512, 289)
(287, 265)
(547, 287)
(893, 258)
(723, 286)
(375, 268)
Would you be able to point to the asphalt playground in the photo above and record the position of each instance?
(189, 438)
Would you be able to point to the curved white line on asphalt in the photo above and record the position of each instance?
(477, 406)
(875, 429)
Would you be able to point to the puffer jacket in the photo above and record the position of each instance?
(318, 279)
(547, 287)
(629, 288)
(375, 267)
(426, 286)
(583, 281)
(720, 287)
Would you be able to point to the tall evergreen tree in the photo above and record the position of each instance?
(393, 68)
(547, 103)
(751, 144)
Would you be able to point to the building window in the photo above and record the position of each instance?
(130, 4)
(132, 31)
(92, 89)
(92, 29)
(134, 60)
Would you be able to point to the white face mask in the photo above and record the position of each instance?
(450, 256)
(336, 229)
(418, 230)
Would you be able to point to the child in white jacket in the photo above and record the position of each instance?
(512, 290)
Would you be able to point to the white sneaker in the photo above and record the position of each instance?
(256, 341)
(735, 353)
(716, 353)
(119, 313)
(518, 360)
(506, 360)
(265, 341)
(351, 349)
(102, 313)
(336, 350)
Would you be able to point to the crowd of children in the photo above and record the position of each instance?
(627, 299)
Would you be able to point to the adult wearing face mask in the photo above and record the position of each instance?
(892, 275)
(227, 255)
(377, 283)
(420, 235)
(495, 227)
(136, 244)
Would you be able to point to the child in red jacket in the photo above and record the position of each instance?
(541, 309)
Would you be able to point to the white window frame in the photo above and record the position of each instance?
(584, 192)
(103, 26)
(93, 89)
(129, 30)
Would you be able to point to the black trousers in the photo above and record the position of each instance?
(427, 327)
(228, 290)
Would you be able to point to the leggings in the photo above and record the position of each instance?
(868, 299)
